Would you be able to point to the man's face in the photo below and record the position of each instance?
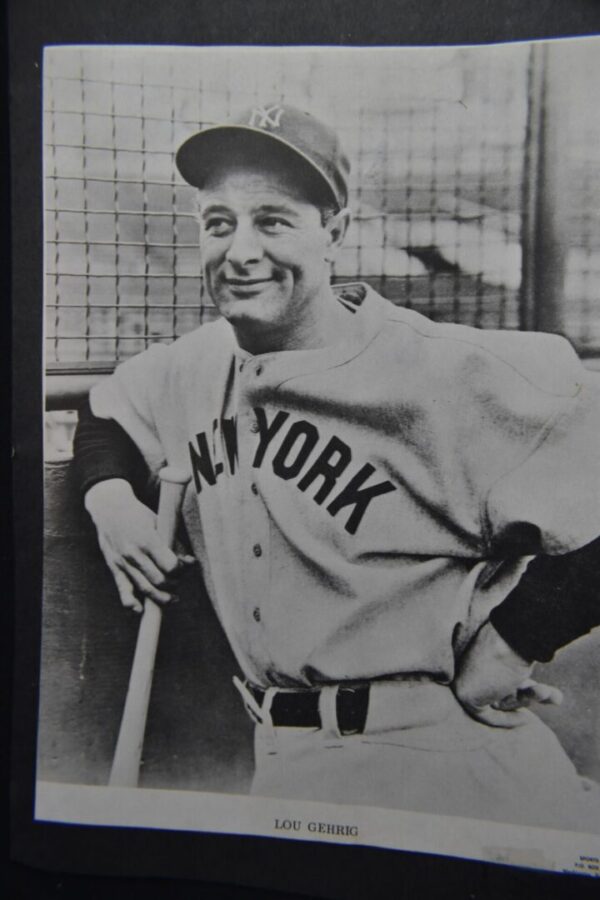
(265, 252)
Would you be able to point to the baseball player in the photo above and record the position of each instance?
(391, 515)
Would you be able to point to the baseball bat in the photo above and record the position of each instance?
(126, 762)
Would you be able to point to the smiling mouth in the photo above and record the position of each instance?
(242, 288)
(246, 282)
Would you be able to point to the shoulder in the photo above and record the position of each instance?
(546, 363)
(212, 338)
(198, 348)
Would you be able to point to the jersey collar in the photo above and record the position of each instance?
(367, 309)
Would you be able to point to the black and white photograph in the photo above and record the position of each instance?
(322, 465)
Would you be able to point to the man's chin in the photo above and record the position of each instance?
(252, 309)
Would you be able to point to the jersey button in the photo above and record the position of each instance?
(254, 489)
(257, 550)
(256, 614)
(254, 427)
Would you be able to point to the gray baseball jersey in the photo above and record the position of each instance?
(353, 508)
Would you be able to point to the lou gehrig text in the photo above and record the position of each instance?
(331, 828)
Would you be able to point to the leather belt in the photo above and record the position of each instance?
(300, 709)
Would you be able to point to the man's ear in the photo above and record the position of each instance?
(337, 226)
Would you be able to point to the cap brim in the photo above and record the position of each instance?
(203, 152)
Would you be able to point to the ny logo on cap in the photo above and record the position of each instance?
(268, 117)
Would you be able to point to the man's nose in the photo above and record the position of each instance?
(245, 247)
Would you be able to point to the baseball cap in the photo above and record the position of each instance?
(313, 141)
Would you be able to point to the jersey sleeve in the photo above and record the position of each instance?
(131, 396)
(556, 601)
(102, 450)
(554, 490)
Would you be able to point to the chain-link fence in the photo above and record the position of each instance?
(438, 141)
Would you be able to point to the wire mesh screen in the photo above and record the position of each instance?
(437, 144)
(582, 282)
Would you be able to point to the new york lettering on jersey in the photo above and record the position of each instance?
(295, 450)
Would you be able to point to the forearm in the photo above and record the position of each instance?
(556, 601)
(104, 492)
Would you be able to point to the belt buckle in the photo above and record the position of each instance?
(351, 706)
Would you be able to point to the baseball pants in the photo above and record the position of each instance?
(421, 752)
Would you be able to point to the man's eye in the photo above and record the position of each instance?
(217, 225)
(274, 224)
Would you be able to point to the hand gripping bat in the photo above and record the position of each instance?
(126, 762)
